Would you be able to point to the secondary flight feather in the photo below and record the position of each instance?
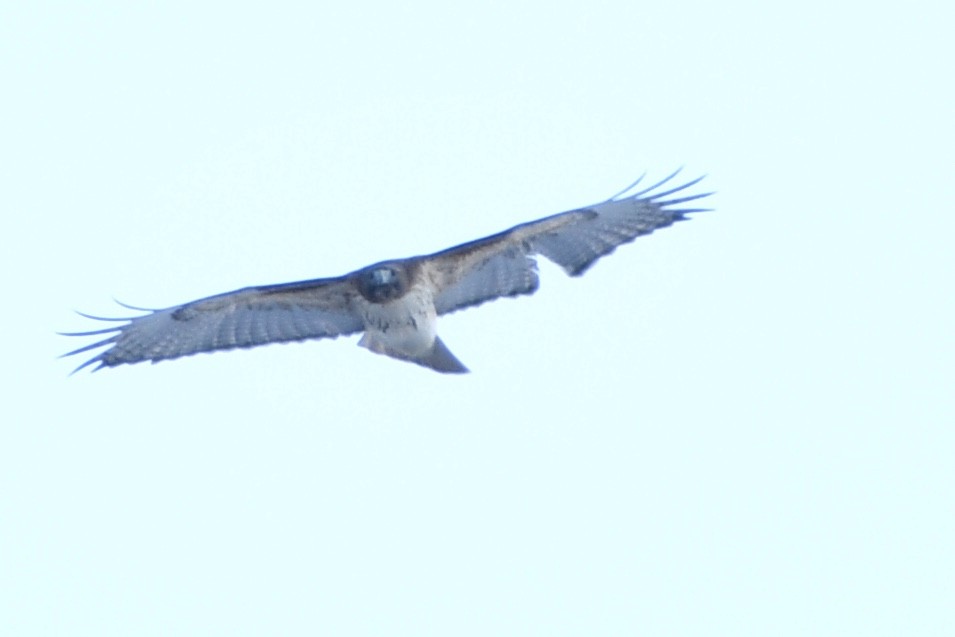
(395, 303)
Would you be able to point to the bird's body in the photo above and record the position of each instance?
(406, 328)
(395, 303)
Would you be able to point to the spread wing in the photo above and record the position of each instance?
(252, 316)
(503, 264)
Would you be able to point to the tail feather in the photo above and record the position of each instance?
(441, 359)
(438, 358)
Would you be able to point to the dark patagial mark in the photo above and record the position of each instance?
(184, 313)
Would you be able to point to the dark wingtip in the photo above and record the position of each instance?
(688, 184)
(656, 196)
(95, 359)
(115, 331)
(91, 333)
(661, 182)
(99, 358)
(628, 188)
(134, 307)
(102, 318)
(689, 211)
(673, 202)
(86, 348)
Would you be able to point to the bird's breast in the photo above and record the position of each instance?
(407, 324)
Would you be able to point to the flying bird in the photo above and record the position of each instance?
(394, 303)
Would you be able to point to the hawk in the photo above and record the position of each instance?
(396, 303)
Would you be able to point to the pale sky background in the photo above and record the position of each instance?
(741, 425)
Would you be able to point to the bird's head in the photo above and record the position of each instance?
(382, 283)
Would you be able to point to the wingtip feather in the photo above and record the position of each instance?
(688, 184)
(658, 184)
(627, 189)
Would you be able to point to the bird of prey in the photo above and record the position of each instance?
(394, 303)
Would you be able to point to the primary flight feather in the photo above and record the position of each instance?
(394, 303)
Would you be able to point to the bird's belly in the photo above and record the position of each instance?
(407, 325)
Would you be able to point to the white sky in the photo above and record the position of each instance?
(742, 425)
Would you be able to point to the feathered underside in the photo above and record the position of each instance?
(240, 319)
(503, 264)
(496, 266)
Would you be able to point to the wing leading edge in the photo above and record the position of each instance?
(503, 264)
